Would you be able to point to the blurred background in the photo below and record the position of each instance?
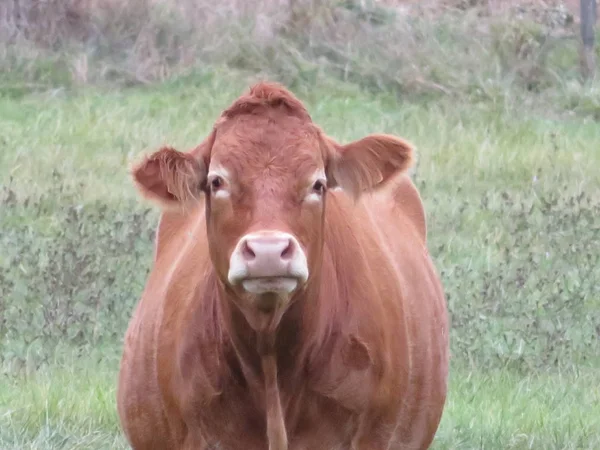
(500, 98)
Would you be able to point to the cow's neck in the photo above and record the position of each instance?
(262, 355)
(282, 338)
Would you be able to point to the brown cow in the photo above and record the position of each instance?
(292, 302)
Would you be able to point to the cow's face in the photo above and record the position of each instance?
(266, 189)
(265, 172)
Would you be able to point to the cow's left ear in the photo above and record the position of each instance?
(367, 163)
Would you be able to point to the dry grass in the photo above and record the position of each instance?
(409, 48)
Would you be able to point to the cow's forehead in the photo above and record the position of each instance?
(256, 146)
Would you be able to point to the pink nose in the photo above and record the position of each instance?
(268, 256)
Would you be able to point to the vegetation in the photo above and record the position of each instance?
(509, 168)
(524, 56)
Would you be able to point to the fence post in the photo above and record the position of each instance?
(587, 14)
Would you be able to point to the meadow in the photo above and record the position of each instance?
(510, 177)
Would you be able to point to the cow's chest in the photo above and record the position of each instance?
(312, 422)
(322, 411)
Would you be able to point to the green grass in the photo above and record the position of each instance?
(502, 410)
(74, 408)
(513, 204)
(92, 137)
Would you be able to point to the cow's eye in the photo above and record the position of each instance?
(216, 183)
(319, 187)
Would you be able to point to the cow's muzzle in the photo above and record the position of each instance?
(268, 262)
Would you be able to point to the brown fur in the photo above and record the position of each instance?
(359, 357)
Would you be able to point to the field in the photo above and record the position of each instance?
(508, 145)
(513, 205)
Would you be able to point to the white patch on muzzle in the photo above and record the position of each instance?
(268, 262)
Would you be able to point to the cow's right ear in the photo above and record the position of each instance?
(174, 179)
(170, 177)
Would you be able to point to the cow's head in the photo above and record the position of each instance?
(264, 172)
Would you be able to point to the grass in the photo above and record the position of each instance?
(74, 408)
(538, 411)
(69, 407)
(92, 137)
(513, 203)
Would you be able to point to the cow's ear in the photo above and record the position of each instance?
(367, 163)
(170, 177)
(174, 179)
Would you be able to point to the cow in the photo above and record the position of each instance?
(292, 303)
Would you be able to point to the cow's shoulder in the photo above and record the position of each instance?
(173, 227)
(401, 199)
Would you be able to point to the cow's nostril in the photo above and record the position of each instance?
(247, 252)
(268, 250)
(288, 251)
